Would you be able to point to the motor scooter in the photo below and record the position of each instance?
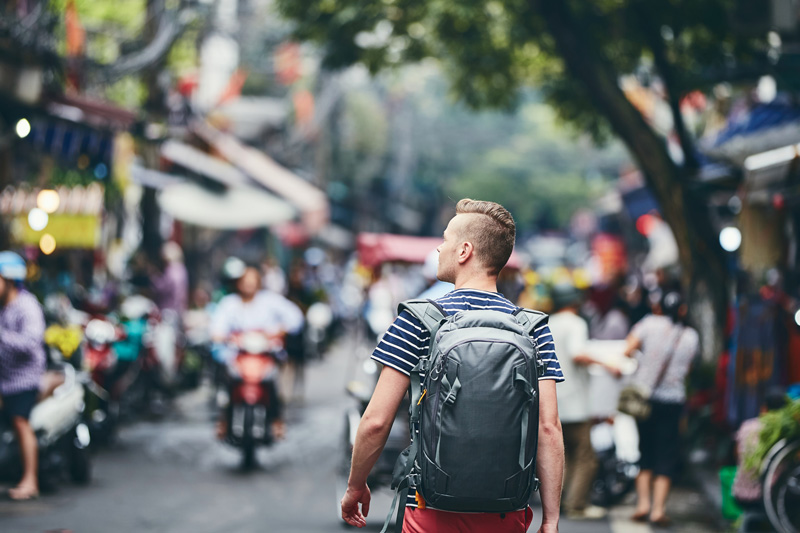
(616, 469)
(251, 404)
(149, 347)
(62, 436)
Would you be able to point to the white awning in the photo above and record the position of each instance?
(239, 207)
(200, 162)
(308, 199)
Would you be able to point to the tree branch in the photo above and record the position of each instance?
(652, 35)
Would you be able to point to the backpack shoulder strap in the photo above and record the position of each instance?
(429, 312)
(530, 319)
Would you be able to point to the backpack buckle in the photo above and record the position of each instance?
(536, 484)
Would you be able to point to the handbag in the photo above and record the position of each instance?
(634, 398)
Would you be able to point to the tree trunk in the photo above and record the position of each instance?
(704, 272)
(154, 108)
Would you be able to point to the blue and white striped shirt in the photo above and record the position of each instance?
(407, 340)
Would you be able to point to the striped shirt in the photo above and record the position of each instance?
(407, 340)
(22, 356)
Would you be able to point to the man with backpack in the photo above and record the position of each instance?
(482, 375)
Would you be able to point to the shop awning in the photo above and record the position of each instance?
(154, 179)
(238, 207)
(308, 199)
(203, 164)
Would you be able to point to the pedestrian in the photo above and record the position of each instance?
(477, 244)
(570, 334)
(22, 365)
(667, 347)
(172, 286)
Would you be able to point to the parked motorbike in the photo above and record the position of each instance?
(319, 318)
(616, 474)
(251, 404)
(197, 351)
(780, 482)
(62, 435)
(107, 378)
(150, 346)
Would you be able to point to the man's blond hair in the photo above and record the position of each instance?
(492, 234)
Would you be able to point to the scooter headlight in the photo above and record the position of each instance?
(82, 436)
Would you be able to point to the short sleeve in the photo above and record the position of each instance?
(547, 350)
(641, 328)
(219, 326)
(403, 344)
(576, 340)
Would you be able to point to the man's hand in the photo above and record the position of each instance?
(549, 528)
(350, 511)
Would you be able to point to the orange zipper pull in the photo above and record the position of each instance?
(422, 396)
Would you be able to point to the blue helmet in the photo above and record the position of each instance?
(12, 266)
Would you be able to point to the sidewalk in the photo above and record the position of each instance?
(687, 507)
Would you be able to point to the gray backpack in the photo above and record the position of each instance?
(477, 412)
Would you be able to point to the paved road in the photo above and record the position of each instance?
(173, 476)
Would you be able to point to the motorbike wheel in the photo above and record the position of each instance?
(80, 466)
(248, 455)
(51, 471)
(248, 443)
(612, 482)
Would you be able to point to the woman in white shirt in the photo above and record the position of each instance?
(667, 348)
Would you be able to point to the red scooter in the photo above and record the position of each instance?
(253, 404)
(100, 362)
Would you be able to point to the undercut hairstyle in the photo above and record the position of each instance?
(492, 234)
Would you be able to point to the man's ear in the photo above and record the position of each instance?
(465, 251)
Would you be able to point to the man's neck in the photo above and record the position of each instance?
(481, 283)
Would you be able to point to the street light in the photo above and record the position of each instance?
(730, 239)
(48, 201)
(23, 128)
(47, 244)
(38, 219)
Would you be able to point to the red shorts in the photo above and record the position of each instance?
(433, 521)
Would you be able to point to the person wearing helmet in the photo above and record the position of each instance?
(22, 364)
(250, 308)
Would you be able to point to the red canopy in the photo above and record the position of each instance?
(377, 248)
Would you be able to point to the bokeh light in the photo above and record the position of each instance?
(730, 239)
(23, 128)
(47, 244)
(38, 219)
(48, 200)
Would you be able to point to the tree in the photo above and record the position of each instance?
(576, 52)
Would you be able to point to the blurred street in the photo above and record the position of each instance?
(173, 476)
(214, 212)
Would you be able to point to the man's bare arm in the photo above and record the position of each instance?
(373, 430)
(550, 458)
